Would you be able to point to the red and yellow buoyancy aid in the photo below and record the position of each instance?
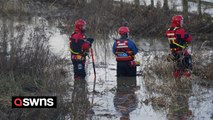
(123, 53)
(175, 45)
(76, 44)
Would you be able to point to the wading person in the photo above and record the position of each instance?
(125, 51)
(179, 40)
(79, 47)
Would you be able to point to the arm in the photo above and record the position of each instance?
(85, 45)
(188, 38)
(181, 33)
(132, 46)
(114, 48)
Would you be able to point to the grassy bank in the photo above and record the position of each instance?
(29, 68)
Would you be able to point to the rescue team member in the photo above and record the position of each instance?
(125, 51)
(178, 42)
(79, 47)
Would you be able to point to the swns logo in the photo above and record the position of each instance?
(34, 102)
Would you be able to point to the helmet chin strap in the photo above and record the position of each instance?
(126, 35)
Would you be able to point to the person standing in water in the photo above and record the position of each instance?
(125, 51)
(79, 48)
(179, 40)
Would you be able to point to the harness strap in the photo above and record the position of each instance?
(181, 46)
(73, 52)
(172, 39)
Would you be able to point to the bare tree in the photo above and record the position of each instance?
(4, 44)
(137, 3)
(165, 5)
(122, 3)
(152, 3)
(185, 9)
(199, 7)
(12, 41)
(158, 5)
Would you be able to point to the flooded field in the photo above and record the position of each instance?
(132, 99)
(146, 96)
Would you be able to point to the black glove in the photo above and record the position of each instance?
(90, 40)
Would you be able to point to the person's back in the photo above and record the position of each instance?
(178, 42)
(125, 51)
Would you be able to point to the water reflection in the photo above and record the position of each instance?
(179, 107)
(80, 106)
(125, 99)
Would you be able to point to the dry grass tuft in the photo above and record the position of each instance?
(203, 66)
(167, 92)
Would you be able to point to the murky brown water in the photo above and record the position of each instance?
(129, 98)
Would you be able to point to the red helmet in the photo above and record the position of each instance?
(177, 21)
(123, 30)
(80, 25)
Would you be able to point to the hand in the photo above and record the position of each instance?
(130, 53)
(90, 40)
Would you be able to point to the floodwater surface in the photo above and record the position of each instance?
(129, 98)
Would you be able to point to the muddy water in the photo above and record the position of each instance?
(125, 98)
(117, 98)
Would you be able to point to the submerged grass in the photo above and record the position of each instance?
(29, 68)
(173, 94)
